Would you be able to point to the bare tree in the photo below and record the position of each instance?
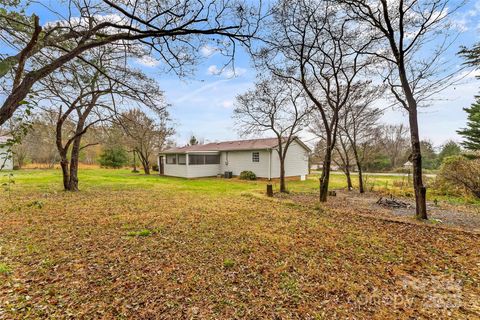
(403, 28)
(84, 96)
(344, 152)
(359, 123)
(395, 142)
(145, 135)
(171, 31)
(315, 44)
(277, 106)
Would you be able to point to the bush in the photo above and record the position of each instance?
(247, 175)
(113, 157)
(458, 172)
(155, 167)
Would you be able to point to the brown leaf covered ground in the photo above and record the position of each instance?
(133, 247)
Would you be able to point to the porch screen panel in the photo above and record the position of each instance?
(196, 159)
(212, 159)
(171, 158)
(182, 159)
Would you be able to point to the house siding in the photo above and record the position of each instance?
(296, 164)
(175, 170)
(296, 161)
(203, 170)
(6, 162)
(239, 161)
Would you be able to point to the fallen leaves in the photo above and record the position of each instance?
(221, 255)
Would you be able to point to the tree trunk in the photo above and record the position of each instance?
(349, 178)
(283, 188)
(420, 190)
(325, 177)
(361, 188)
(73, 181)
(146, 168)
(65, 173)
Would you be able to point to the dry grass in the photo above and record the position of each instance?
(179, 249)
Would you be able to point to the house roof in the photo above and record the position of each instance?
(252, 144)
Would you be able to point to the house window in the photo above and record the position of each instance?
(196, 159)
(212, 159)
(182, 159)
(171, 158)
(255, 156)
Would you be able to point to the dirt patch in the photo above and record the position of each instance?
(443, 214)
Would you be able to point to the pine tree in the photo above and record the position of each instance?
(471, 133)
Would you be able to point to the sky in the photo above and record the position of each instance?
(202, 104)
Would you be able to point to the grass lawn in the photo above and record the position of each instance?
(134, 246)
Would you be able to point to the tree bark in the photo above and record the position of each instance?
(325, 177)
(420, 190)
(361, 188)
(145, 162)
(65, 172)
(74, 155)
(349, 178)
(283, 187)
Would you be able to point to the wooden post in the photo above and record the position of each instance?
(269, 190)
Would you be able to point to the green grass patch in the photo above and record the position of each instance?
(5, 269)
(141, 233)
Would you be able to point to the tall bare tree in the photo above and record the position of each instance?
(86, 94)
(403, 29)
(316, 45)
(395, 142)
(274, 105)
(171, 31)
(359, 123)
(146, 135)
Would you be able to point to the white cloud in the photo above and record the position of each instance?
(226, 72)
(208, 51)
(227, 104)
(148, 61)
(213, 70)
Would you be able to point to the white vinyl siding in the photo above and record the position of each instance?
(239, 161)
(268, 165)
(296, 161)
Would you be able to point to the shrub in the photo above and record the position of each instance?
(155, 167)
(458, 172)
(247, 175)
(113, 157)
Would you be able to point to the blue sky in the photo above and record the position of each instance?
(202, 104)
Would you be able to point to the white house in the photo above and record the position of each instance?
(256, 155)
(6, 161)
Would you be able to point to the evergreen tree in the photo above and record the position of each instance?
(113, 157)
(193, 141)
(450, 148)
(471, 133)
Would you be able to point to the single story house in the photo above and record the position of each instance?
(6, 161)
(256, 155)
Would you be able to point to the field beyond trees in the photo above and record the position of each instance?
(135, 246)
